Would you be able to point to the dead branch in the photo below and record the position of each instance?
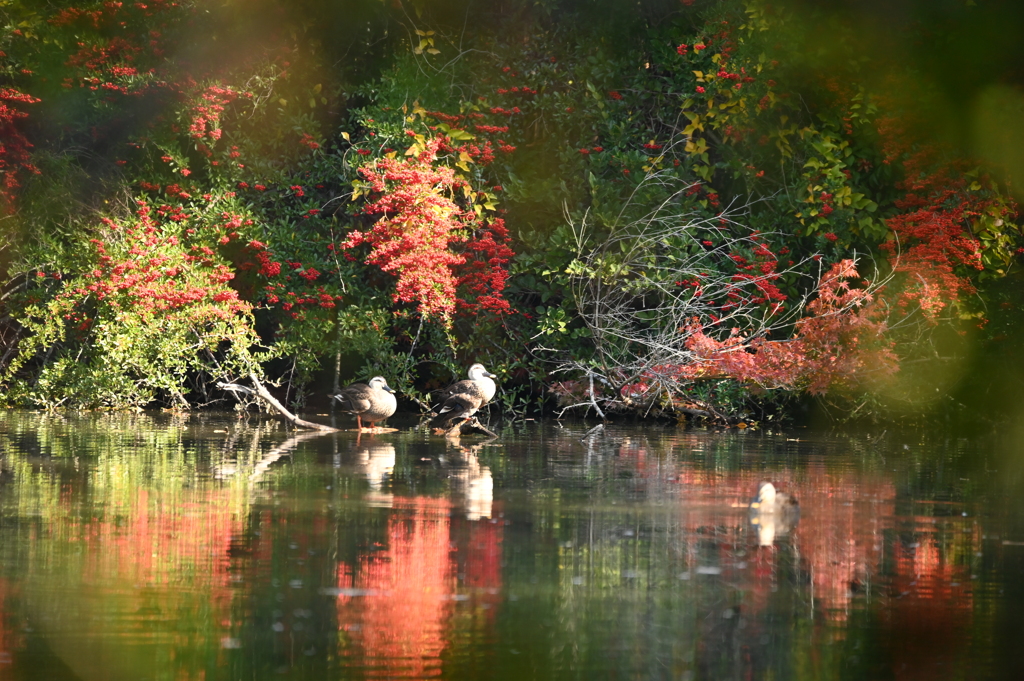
(292, 418)
(656, 280)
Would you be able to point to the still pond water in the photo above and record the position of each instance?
(205, 547)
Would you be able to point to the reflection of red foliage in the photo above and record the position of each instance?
(401, 620)
(842, 539)
(840, 534)
(826, 535)
(844, 518)
(932, 600)
(479, 556)
(10, 639)
(155, 540)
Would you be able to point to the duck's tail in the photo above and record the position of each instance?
(343, 401)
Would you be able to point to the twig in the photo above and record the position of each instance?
(593, 399)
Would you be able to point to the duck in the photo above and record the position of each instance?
(768, 500)
(773, 513)
(372, 402)
(462, 399)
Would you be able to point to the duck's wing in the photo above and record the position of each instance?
(468, 388)
(356, 398)
(464, 386)
(460, 405)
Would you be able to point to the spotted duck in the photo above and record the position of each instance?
(371, 402)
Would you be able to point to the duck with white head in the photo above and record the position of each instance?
(370, 402)
(773, 513)
(463, 399)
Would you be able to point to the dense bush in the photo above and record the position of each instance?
(677, 209)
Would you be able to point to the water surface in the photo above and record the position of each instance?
(208, 547)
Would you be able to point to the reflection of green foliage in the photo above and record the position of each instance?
(144, 525)
(148, 529)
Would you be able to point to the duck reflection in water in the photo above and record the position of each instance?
(472, 483)
(773, 513)
(377, 463)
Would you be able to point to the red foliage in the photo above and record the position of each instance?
(14, 147)
(206, 115)
(155, 274)
(836, 345)
(420, 222)
(933, 241)
(841, 341)
(484, 272)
